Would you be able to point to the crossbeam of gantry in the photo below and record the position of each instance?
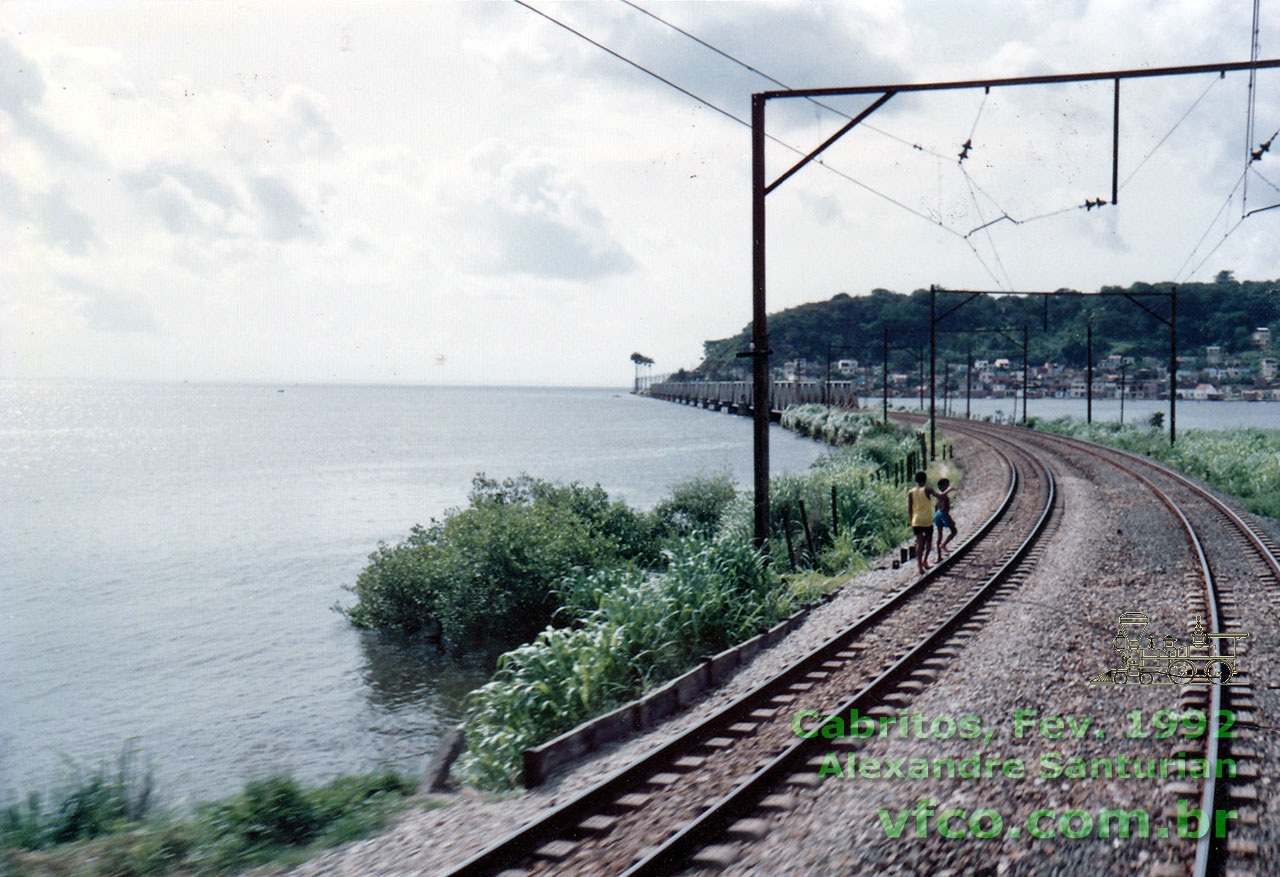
(760, 352)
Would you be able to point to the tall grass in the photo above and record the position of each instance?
(86, 805)
(632, 629)
(107, 823)
(1244, 462)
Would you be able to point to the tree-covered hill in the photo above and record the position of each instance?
(1224, 313)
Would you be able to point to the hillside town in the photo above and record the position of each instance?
(1208, 375)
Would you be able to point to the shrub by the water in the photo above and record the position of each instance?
(696, 505)
(490, 569)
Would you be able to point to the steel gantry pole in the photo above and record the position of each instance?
(1173, 365)
(933, 362)
(1088, 371)
(968, 380)
(884, 374)
(1026, 367)
(759, 327)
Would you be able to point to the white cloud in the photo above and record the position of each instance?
(246, 193)
(517, 213)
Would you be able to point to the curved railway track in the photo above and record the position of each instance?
(1226, 853)
(1235, 852)
(651, 816)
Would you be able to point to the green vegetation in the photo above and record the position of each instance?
(84, 807)
(624, 629)
(632, 631)
(1243, 462)
(107, 823)
(1224, 312)
(489, 570)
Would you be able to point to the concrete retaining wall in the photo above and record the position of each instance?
(642, 714)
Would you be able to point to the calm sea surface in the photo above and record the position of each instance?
(169, 555)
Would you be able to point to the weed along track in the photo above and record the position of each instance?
(653, 815)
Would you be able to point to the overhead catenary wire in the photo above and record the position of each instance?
(1169, 133)
(1221, 210)
(986, 228)
(627, 60)
(744, 65)
(968, 143)
(916, 146)
(937, 221)
(934, 222)
(1264, 179)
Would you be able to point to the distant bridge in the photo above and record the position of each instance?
(737, 397)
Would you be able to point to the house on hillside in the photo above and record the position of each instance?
(1203, 393)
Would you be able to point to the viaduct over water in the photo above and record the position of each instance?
(738, 397)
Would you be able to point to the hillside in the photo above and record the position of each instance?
(1224, 313)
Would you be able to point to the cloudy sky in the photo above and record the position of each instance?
(466, 193)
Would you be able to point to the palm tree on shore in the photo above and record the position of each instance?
(640, 361)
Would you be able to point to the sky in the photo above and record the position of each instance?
(466, 193)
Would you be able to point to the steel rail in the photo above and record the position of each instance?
(1247, 530)
(675, 850)
(1209, 849)
(523, 842)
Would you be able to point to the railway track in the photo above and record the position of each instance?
(1198, 509)
(1235, 852)
(653, 815)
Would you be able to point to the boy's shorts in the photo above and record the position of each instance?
(923, 531)
(942, 519)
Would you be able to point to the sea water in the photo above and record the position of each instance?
(170, 553)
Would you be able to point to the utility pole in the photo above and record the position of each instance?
(826, 394)
(1173, 366)
(921, 357)
(1122, 370)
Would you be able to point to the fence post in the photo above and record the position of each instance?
(786, 529)
(835, 515)
(808, 534)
